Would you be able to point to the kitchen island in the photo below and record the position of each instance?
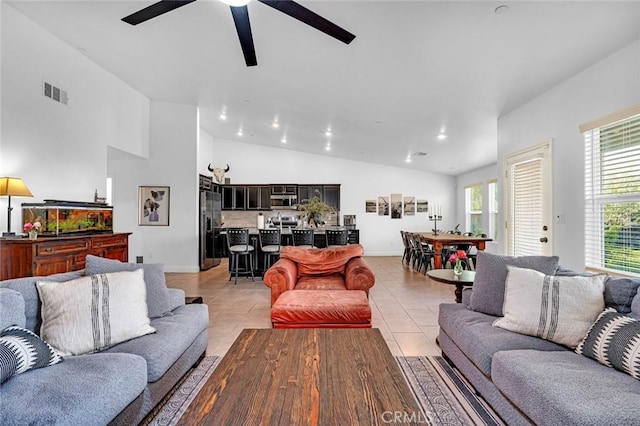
(320, 241)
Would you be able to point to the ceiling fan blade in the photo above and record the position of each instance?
(310, 18)
(154, 10)
(243, 27)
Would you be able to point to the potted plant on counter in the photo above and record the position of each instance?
(314, 210)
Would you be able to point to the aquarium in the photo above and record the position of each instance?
(59, 218)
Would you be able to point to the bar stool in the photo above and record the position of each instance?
(238, 246)
(302, 237)
(337, 237)
(270, 245)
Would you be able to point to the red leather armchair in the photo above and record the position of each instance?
(334, 268)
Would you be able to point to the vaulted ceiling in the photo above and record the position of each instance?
(414, 70)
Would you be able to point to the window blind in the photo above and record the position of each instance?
(612, 195)
(493, 209)
(526, 180)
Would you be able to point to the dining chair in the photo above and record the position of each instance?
(302, 237)
(406, 255)
(239, 247)
(337, 237)
(270, 241)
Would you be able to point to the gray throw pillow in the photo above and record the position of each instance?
(157, 292)
(619, 292)
(635, 306)
(491, 274)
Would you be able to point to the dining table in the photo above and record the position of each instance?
(439, 241)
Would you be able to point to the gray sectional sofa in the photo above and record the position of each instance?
(528, 380)
(119, 385)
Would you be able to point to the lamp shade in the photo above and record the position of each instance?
(14, 187)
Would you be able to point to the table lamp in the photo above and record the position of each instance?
(13, 187)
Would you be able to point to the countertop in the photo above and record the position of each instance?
(286, 230)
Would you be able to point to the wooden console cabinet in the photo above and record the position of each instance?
(46, 256)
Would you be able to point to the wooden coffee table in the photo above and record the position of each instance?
(446, 276)
(305, 377)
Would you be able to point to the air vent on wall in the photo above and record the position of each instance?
(55, 93)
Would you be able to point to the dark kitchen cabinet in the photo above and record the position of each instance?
(330, 194)
(307, 192)
(233, 197)
(258, 197)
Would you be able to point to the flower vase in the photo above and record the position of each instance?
(33, 235)
(457, 269)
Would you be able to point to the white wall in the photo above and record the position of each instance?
(478, 176)
(609, 86)
(60, 151)
(380, 235)
(172, 162)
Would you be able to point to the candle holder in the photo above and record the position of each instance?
(435, 219)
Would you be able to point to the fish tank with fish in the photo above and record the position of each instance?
(67, 218)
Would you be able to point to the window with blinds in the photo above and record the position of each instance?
(473, 208)
(526, 216)
(612, 193)
(493, 209)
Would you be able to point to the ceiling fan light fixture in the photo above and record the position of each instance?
(236, 3)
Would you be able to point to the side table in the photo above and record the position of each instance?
(446, 276)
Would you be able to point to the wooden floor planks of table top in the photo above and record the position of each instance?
(304, 377)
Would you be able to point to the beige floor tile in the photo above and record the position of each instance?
(404, 305)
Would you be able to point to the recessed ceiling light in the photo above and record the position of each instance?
(284, 139)
(240, 132)
(502, 9)
(328, 147)
(328, 132)
(223, 116)
(275, 124)
(408, 159)
(442, 136)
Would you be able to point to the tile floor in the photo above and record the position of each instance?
(404, 304)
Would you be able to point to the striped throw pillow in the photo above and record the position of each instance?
(95, 312)
(556, 308)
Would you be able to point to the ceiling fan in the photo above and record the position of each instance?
(241, 19)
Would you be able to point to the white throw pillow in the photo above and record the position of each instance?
(92, 313)
(556, 308)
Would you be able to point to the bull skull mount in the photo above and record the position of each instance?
(218, 172)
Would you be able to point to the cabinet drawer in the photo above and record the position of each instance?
(118, 241)
(61, 247)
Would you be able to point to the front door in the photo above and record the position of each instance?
(528, 202)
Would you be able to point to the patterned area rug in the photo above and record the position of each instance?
(443, 394)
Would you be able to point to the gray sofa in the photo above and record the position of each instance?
(528, 380)
(120, 385)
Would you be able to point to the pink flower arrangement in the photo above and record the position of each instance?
(32, 226)
(458, 255)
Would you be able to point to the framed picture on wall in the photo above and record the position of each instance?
(383, 206)
(153, 205)
(396, 206)
(409, 206)
(422, 206)
(370, 206)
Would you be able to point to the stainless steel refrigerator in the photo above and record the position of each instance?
(210, 216)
